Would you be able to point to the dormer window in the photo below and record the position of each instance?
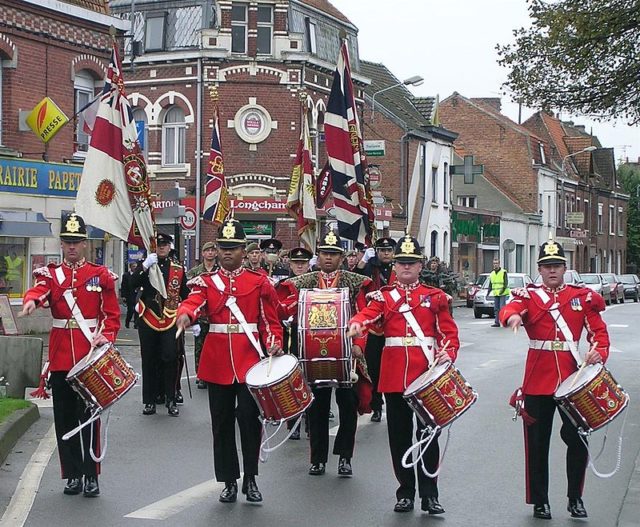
(239, 28)
(311, 35)
(265, 29)
(543, 159)
(154, 32)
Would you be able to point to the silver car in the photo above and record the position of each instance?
(483, 301)
(595, 282)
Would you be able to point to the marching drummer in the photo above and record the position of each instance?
(241, 306)
(86, 314)
(554, 314)
(350, 401)
(404, 360)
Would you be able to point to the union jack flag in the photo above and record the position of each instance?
(216, 194)
(349, 181)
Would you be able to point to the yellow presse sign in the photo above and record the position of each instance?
(46, 119)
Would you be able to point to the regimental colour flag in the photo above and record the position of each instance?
(114, 193)
(216, 194)
(301, 201)
(349, 181)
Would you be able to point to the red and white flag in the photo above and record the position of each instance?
(301, 200)
(114, 193)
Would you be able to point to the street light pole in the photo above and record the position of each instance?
(416, 80)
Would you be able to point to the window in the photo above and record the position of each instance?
(173, 137)
(549, 211)
(600, 207)
(612, 220)
(154, 32)
(467, 201)
(434, 243)
(13, 266)
(84, 90)
(140, 118)
(434, 184)
(238, 28)
(519, 258)
(422, 192)
(311, 35)
(620, 222)
(543, 158)
(446, 186)
(265, 29)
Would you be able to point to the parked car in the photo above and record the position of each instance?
(617, 288)
(474, 287)
(483, 301)
(571, 276)
(597, 283)
(631, 285)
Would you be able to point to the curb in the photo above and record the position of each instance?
(631, 503)
(14, 427)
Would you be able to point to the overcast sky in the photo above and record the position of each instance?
(451, 43)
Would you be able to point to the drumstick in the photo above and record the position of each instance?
(582, 367)
(434, 359)
(270, 355)
(179, 332)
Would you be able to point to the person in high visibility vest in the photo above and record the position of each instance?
(14, 272)
(499, 287)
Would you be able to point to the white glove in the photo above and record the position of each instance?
(149, 261)
(313, 261)
(195, 329)
(368, 254)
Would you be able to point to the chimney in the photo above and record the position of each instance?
(581, 127)
(492, 102)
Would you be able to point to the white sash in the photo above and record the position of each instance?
(405, 309)
(73, 306)
(562, 325)
(237, 312)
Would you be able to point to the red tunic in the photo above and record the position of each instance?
(226, 357)
(93, 288)
(401, 365)
(580, 307)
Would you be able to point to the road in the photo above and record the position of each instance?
(158, 469)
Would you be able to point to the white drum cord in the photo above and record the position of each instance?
(427, 436)
(264, 446)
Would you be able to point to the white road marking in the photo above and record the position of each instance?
(488, 363)
(617, 325)
(465, 344)
(615, 350)
(21, 502)
(481, 323)
(172, 505)
(363, 420)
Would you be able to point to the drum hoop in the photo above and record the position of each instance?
(276, 381)
(601, 370)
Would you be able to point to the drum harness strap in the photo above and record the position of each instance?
(566, 332)
(428, 434)
(86, 331)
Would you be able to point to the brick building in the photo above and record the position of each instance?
(57, 49)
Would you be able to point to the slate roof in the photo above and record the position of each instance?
(99, 6)
(327, 7)
(426, 106)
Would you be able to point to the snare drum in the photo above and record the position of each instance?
(440, 396)
(593, 399)
(325, 349)
(281, 393)
(102, 377)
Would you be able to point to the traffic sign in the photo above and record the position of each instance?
(188, 233)
(188, 221)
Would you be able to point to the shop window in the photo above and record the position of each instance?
(13, 266)
(238, 28)
(173, 137)
(154, 32)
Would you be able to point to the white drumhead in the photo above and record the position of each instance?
(584, 376)
(427, 377)
(281, 367)
(90, 358)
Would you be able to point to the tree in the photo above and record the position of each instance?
(629, 177)
(579, 56)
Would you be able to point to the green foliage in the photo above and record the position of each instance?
(579, 56)
(8, 406)
(629, 177)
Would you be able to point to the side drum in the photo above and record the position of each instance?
(325, 349)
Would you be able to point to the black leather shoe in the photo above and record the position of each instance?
(344, 467)
(73, 486)
(230, 492)
(432, 506)
(316, 469)
(376, 417)
(250, 489)
(91, 488)
(295, 435)
(149, 409)
(172, 408)
(404, 505)
(542, 511)
(576, 508)
(179, 398)
(159, 399)
(201, 385)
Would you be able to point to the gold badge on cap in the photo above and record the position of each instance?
(72, 225)
(408, 247)
(330, 238)
(229, 231)
(551, 249)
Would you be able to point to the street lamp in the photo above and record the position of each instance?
(564, 159)
(416, 80)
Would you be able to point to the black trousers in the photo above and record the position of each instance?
(400, 419)
(228, 402)
(536, 442)
(131, 311)
(318, 415)
(159, 362)
(373, 354)
(69, 410)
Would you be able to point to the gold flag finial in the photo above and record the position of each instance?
(213, 93)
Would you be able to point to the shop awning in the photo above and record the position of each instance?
(24, 224)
